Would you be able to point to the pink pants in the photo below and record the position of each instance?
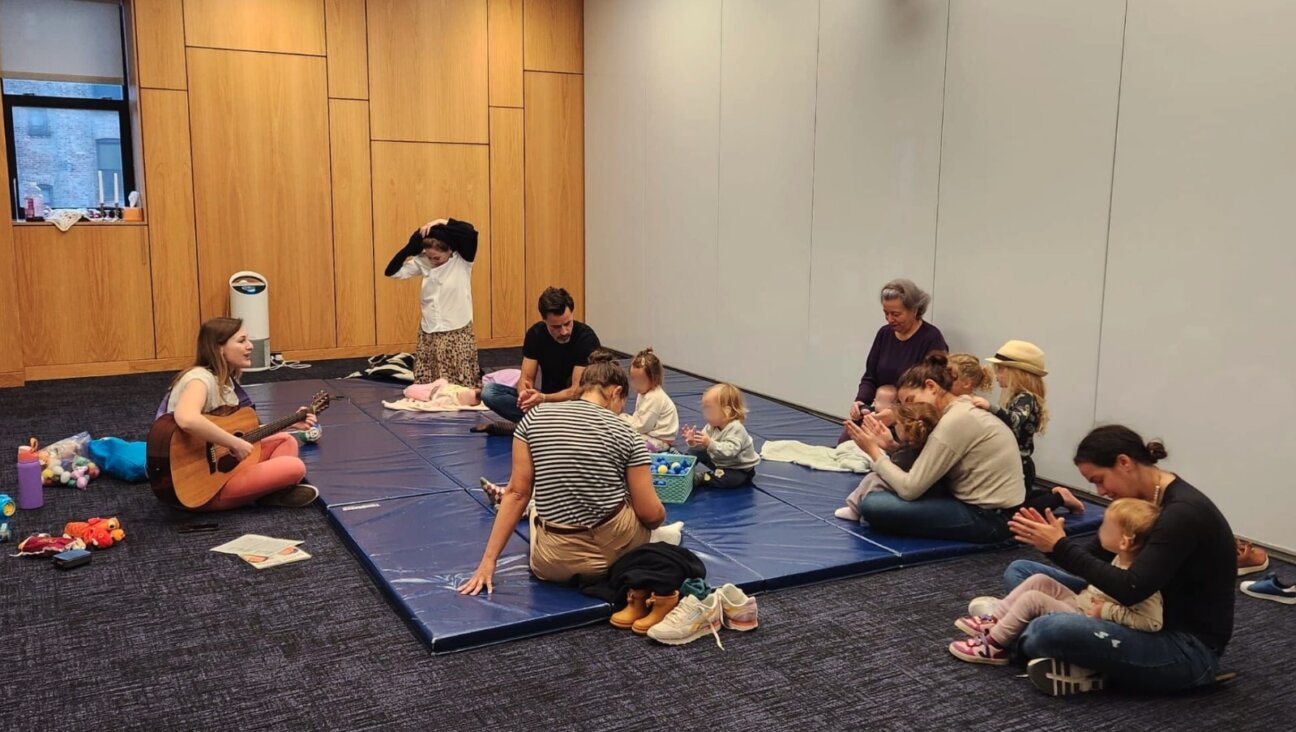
(1038, 595)
(279, 468)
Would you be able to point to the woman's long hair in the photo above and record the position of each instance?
(211, 336)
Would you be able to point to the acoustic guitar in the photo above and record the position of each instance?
(194, 470)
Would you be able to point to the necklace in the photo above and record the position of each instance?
(1156, 492)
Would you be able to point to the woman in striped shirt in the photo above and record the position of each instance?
(588, 471)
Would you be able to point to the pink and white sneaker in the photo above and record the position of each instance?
(979, 650)
(975, 625)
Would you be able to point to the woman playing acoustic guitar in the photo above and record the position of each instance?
(210, 384)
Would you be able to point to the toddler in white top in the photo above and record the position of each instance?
(655, 416)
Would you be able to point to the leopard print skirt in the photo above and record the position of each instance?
(451, 355)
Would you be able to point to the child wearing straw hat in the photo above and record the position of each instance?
(1019, 371)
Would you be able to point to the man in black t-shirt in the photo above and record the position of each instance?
(558, 348)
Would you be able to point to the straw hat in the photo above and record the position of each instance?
(1020, 355)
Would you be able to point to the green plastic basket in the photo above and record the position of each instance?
(672, 488)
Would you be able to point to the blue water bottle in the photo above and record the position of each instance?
(30, 492)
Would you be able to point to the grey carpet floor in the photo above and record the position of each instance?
(160, 633)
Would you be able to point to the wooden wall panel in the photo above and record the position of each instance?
(508, 247)
(159, 43)
(427, 70)
(348, 52)
(168, 175)
(554, 35)
(412, 184)
(285, 26)
(11, 357)
(353, 251)
(261, 183)
(555, 191)
(102, 310)
(505, 50)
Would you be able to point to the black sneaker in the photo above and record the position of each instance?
(1059, 678)
(298, 496)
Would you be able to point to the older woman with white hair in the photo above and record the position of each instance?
(904, 341)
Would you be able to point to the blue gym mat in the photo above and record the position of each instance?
(402, 489)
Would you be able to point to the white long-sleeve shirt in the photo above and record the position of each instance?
(446, 295)
(654, 416)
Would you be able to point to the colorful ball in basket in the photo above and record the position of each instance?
(673, 486)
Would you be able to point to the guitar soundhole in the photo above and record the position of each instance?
(226, 463)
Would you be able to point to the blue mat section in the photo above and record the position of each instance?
(281, 398)
(402, 489)
(777, 541)
(420, 549)
(353, 463)
(467, 459)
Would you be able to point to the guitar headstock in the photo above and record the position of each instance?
(319, 402)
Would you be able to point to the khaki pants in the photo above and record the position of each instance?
(558, 557)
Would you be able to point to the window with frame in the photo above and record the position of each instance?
(66, 115)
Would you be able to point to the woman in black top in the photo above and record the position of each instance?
(1189, 558)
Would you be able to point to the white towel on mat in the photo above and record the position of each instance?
(845, 458)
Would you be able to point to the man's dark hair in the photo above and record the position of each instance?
(555, 301)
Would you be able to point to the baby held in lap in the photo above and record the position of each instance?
(914, 424)
(1124, 531)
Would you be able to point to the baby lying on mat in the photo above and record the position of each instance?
(439, 396)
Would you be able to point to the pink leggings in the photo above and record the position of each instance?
(1038, 595)
(279, 468)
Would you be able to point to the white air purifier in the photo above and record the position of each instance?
(250, 301)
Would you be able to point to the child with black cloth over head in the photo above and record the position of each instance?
(442, 253)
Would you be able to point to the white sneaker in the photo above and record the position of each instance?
(739, 610)
(671, 534)
(1060, 678)
(691, 619)
(983, 605)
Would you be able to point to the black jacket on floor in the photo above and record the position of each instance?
(657, 567)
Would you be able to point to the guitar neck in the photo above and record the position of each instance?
(275, 427)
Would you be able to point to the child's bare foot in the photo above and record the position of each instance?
(1073, 504)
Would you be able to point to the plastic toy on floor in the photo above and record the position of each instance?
(7, 509)
(67, 462)
(99, 533)
(44, 545)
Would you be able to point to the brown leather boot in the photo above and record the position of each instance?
(661, 605)
(636, 608)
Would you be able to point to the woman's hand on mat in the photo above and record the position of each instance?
(483, 577)
(241, 448)
(1042, 532)
(426, 229)
(529, 398)
(981, 403)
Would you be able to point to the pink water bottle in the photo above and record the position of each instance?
(30, 492)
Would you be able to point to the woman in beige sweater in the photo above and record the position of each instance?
(970, 447)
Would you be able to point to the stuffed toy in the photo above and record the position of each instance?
(44, 545)
(99, 533)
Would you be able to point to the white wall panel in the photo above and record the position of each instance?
(616, 221)
(756, 311)
(877, 157)
(1197, 343)
(1030, 119)
(681, 162)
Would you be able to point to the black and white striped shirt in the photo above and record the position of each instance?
(580, 452)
